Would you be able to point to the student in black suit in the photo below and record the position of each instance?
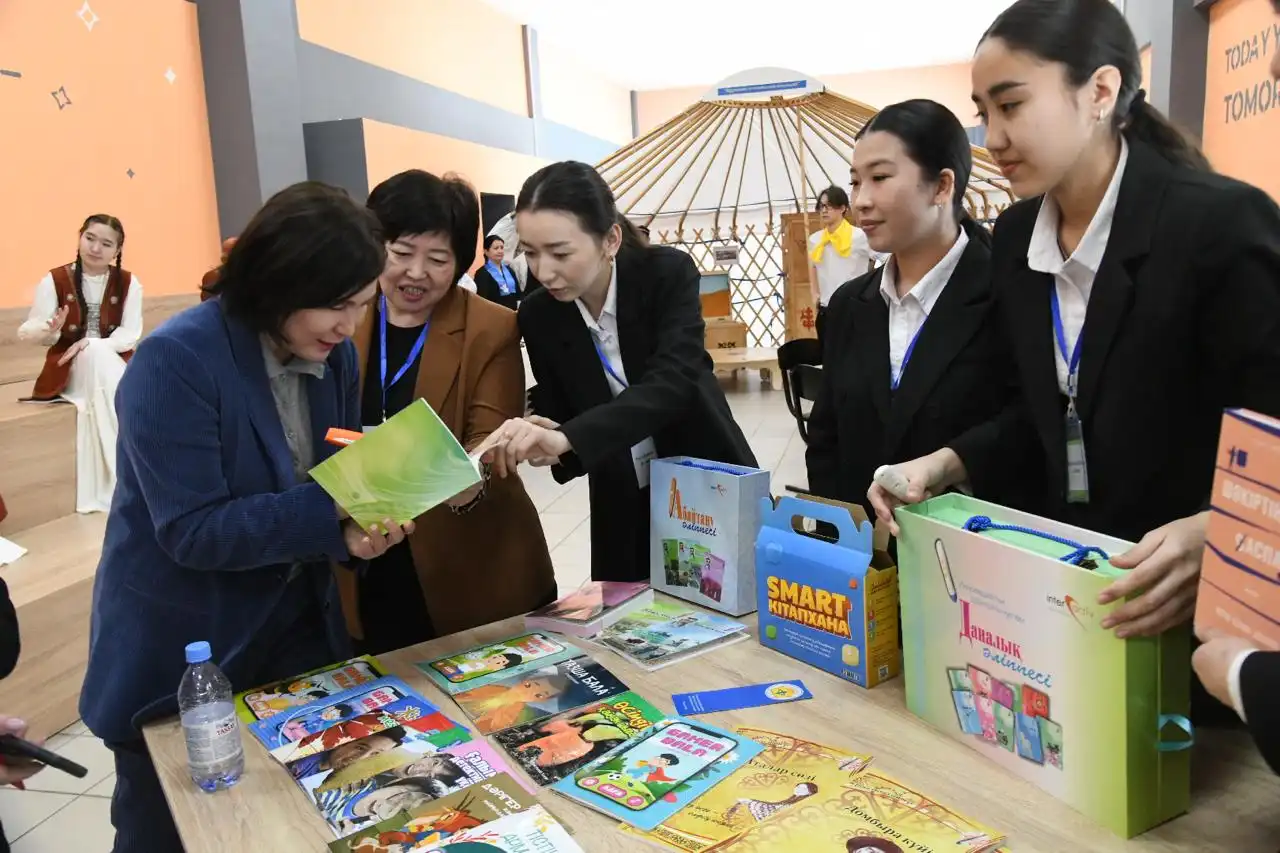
(495, 280)
(615, 341)
(1139, 294)
(911, 353)
(1234, 670)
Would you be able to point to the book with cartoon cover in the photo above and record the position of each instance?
(538, 694)
(590, 608)
(553, 748)
(647, 779)
(532, 830)
(868, 813)
(789, 771)
(368, 756)
(431, 776)
(442, 731)
(270, 699)
(665, 633)
(411, 463)
(439, 821)
(485, 664)
(379, 704)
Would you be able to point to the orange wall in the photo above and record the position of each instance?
(947, 84)
(1240, 136)
(59, 166)
(576, 95)
(460, 45)
(1145, 58)
(390, 149)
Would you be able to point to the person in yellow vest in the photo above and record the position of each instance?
(89, 314)
(838, 253)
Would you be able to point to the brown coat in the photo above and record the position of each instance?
(53, 377)
(491, 563)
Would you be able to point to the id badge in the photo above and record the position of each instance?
(1077, 465)
(641, 455)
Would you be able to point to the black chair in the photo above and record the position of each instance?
(800, 362)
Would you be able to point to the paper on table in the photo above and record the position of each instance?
(10, 551)
(408, 465)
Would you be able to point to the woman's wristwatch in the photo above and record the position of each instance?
(484, 490)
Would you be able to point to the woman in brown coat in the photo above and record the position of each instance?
(483, 556)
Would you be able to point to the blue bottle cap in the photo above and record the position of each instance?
(198, 652)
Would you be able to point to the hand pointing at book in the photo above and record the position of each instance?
(535, 440)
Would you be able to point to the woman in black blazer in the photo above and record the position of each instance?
(1171, 271)
(615, 340)
(495, 280)
(911, 356)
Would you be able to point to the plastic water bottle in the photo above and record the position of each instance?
(215, 754)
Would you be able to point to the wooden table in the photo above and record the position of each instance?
(1235, 808)
(762, 359)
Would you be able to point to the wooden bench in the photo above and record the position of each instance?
(753, 358)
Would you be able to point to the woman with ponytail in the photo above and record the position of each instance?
(1139, 294)
(615, 340)
(89, 314)
(912, 360)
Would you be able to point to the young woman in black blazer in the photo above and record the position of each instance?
(495, 280)
(615, 340)
(911, 355)
(1172, 272)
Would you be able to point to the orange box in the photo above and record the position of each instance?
(1240, 573)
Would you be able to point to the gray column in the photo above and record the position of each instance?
(248, 50)
(1178, 32)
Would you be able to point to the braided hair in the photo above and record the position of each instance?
(78, 278)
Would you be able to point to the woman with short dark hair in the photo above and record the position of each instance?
(216, 532)
(495, 280)
(483, 556)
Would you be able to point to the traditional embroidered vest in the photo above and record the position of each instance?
(53, 378)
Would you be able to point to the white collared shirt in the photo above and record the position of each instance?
(908, 313)
(605, 333)
(1073, 276)
(834, 270)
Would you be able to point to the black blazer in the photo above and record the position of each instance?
(487, 286)
(1260, 695)
(952, 383)
(1183, 321)
(673, 396)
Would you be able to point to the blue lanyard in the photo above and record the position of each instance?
(503, 276)
(413, 353)
(608, 368)
(895, 381)
(1073, 358)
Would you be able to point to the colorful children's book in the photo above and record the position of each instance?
(492, 662)
(270, 699)
(442, 731)
(432, 776)
(655, 774)
(665, 633)
(408, 465)
(553, 748)
(868, 813)
(369, 704)
(532, 830)
(438, 822)
(591, 608)
(789, 772)
(536, 695)
(368, 756)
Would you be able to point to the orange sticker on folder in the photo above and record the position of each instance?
(342, 437)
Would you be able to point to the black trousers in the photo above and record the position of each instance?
(819, 321)
(139, 811)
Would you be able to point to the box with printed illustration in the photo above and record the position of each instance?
(828, 599)
(1003, 649)
(703, 519)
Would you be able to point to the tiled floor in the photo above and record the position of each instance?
(59, 814)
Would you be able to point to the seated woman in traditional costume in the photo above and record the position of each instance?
(89, 314)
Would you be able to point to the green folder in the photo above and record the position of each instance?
(408, 465)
